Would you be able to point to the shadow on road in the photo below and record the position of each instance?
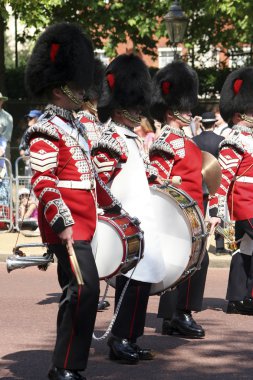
(27, 365)
(51, 298)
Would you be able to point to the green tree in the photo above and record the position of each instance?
(212, 23)
(36, 13)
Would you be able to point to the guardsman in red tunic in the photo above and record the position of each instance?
(61, 69)
(236, 160)
(121, 162)
(174, 94)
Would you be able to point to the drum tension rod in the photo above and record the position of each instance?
(191, 204)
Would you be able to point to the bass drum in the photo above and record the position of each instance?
(182, 232)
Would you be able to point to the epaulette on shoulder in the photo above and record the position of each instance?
(112, 141)
(44, 127)
(87, 115)
(162, 145)
(233, 140)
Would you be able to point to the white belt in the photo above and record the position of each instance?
(84, 185)
(244, 179)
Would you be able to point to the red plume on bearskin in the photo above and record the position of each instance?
(166, 87)
(111, 80)
(53, 51)
(237, 85)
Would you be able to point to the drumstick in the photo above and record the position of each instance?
(175, 180)
(74, 263)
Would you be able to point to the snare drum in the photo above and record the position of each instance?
(120, 244)
(182, 233)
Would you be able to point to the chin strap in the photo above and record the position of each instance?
(66, 90)
(179, 116)
(135, 119)
(247, 118)
(90, 106)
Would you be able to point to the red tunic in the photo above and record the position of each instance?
(236, 160)
(173, 154)
(63, 177)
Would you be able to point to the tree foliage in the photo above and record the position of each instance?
(225, 24)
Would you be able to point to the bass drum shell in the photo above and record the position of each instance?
(182, 236)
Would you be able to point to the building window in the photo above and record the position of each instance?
(100, 53)
(166, 55)
(239, 58)
(209, 59)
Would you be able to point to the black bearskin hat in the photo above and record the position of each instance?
(175, 88)
(237, 93)
(127, 85)
(95, 89)
(62, 54)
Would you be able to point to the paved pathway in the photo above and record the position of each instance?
(27, 319)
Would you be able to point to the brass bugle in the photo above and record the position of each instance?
(20, 261)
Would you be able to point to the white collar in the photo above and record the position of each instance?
(124, 130)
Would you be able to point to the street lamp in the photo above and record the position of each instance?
(176, 24)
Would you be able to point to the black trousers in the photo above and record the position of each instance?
(240, 282)
(78, 307)
(187, 296)
(130, 321)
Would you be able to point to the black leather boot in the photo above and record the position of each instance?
(244, 307)
(102, 305)
(64, 374)
(183, 324)
(144, 353)
(122, 350)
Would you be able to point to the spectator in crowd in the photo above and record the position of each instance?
(209, 141)
(28, 211)
(32, 118)
(6, 125)
(221, 127)
(27, 204)
(158, 128)
(194, 128)
(146, 132)
(3, 188)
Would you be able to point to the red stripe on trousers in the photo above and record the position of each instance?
(188, 293)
